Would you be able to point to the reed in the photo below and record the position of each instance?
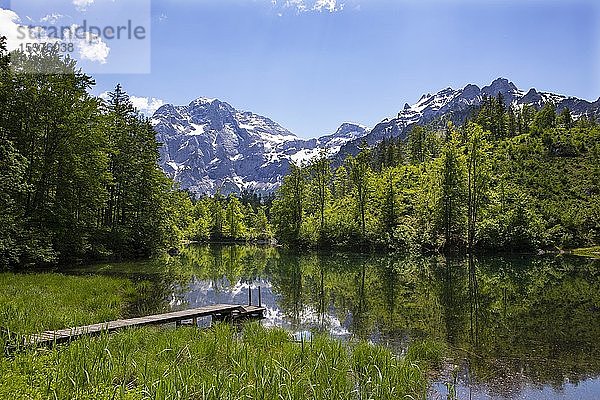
(218, 363)
(223, 362)
(32, 303)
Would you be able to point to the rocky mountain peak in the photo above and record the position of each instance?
(531, 97)
(470, 92)
(209, 145)
(457, 105)
(348, 127)
(501, 86)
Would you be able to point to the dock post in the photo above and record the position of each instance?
(249, 295)
(259, 298)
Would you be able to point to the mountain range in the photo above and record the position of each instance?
(208, 145)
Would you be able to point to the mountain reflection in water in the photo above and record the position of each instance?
(515, 327)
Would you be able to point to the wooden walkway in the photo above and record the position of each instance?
(219, 312)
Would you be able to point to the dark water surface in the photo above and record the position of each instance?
(516, 328)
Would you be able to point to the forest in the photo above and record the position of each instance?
(507, 180)
(79, 181)
(79, 178)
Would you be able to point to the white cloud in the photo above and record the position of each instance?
(89, 47)
(92, 49)
(82, 5)
(146, 105)
(302, 6)
(17, 34)
(297, 4)
(327, 5)
(52, 18)
(11, 28)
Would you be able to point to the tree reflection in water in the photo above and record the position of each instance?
(507, 321)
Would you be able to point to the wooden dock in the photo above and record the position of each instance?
(219, 312)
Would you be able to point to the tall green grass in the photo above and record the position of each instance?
(218, 363)
(224, 362)
(591, 252)
(37, 302)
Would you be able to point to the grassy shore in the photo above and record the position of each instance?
(593, 252)
(31, 303)
(224, 362)
(218, 363)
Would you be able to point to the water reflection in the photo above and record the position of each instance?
(532, 328)
(516, 326)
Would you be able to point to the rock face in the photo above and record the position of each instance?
(208, 145)
(457, 105)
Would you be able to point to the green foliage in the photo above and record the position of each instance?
(222, 219)
(478, 167)
(79, 176)
(508, 180)
(319, 193)
(260, 227)
(212, 364)
(565, 119)
(360, 173)
(592, 252)
(12, 186)
(233, 213)
(34, 303)
(450, 193)
(288, 207)
(427, 351)
(423, 144)
(544, 119)
(136, 213)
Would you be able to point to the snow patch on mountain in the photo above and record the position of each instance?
(208, 146)
(457, 104)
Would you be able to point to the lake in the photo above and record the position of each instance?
(515, 327)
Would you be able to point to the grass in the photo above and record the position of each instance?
(218, 363)
(427, 351)
(37, 302)
(224, 362)
(593, 252)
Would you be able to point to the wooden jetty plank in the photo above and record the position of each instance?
(217, 311)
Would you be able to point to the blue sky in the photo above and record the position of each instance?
(313, 64)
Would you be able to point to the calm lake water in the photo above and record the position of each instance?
(516, 328)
